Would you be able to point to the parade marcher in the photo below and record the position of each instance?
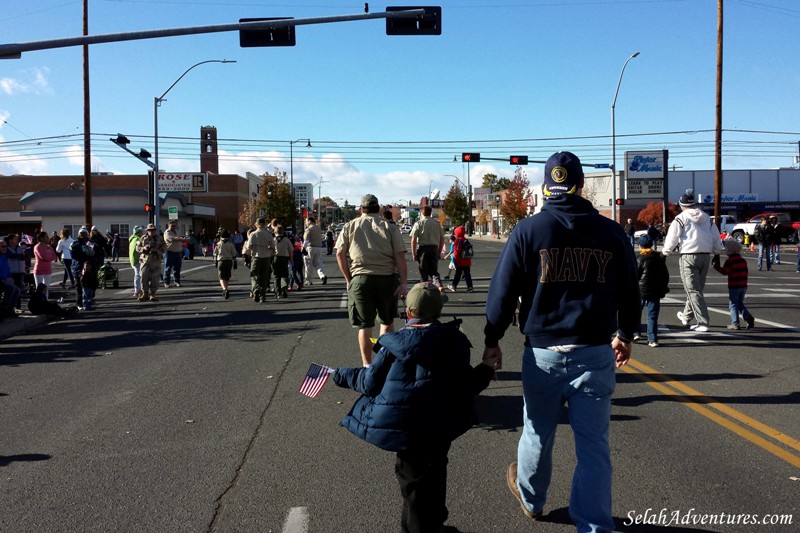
(312, 239)
(377, 256)
(298, 264)
(62, 248)
(225, 258)
(735, 268)
(280, 265)
(133, 256)
(45, 255)
(427, 243)
(460, 259)
(698, 238)
(261, 244)
(764, 235)
(575, 273)
(417, 398)
(653, 286)
(174, 255)
(630, 231)
(115, 242)
(151, 249)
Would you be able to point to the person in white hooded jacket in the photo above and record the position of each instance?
(695, 237)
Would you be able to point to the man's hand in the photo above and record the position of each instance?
(622, 350)
(493, 357)
(401, 291)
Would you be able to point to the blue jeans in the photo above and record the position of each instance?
(775, 254)
(653, 308)
(88, 298)
(584, 380)
(736, 304)
(764, 252)
(173, 262)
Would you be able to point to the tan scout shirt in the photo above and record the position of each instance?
(261, 243)
(313, 235)
(372, 244)
(428, 232)
(283, 247)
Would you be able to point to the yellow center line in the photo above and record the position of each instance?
(657, 381)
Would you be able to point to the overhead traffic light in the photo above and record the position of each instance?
(148, 208)
(518, 159)
(470, 157)
(428, 24)
(271, 36)
(620, 201)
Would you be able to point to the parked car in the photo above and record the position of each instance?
(405, 229)
(786, 229)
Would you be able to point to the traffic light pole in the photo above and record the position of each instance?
(15, 50)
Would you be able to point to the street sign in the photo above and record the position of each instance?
(183, 182)
(173, 212)
(602, 165)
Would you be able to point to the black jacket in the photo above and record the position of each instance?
(653, 276)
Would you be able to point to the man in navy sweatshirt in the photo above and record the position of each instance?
(573, 273)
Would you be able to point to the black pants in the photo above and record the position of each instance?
(465, 271)
(422, 476)
(428, 257)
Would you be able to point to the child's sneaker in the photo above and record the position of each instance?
(733, 326)
(683, 319)
(653, 344)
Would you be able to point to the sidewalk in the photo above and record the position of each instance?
(25, 322)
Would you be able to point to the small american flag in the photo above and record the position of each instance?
(315, 379)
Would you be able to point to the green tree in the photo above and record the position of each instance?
(494, 183)
(274, 201)
(515, 203)
(455, 206)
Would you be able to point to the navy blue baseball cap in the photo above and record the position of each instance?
(563, 174)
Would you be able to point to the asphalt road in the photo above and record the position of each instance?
(184, 415)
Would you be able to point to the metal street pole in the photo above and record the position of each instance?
(156, 104)
(291, 173)
(614, 145)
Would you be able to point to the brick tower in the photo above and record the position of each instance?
(209, 158)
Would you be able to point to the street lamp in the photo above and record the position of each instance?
(319, 197)
(156, 104)
(614, 145)
(291, 165)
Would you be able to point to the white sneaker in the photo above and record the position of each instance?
(652, 344)
(699, 328)
(683, 319)
(636, 337)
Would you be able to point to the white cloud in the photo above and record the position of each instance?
(75, 157)
(35, 81)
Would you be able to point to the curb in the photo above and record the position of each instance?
(11, 327)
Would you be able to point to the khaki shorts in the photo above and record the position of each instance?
(224, 269)
(371, 296)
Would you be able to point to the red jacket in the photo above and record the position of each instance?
(457, 246)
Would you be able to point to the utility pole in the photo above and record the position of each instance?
(87, 126)
(718, 148)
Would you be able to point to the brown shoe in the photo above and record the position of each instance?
(511, 480)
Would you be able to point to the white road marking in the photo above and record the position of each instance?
(726, 312)
(297, 521)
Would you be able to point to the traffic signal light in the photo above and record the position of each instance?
(470, 157)
(518, 160)
(620, 201)
(148, 208)
(272, 36)
(428, 24)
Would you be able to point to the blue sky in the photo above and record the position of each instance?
(387, 114)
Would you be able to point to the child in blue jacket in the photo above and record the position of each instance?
(418, 397)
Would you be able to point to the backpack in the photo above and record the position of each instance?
(466, 250)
